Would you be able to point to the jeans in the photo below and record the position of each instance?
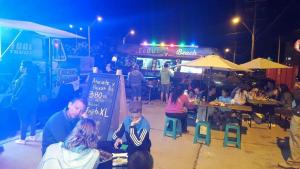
(27, 118)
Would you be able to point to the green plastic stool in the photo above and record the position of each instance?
(237, 141)
(175, 130)
(200, 136)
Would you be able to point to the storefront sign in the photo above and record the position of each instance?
(166, 52)
(186, 53)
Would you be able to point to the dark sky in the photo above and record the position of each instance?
(205, 22)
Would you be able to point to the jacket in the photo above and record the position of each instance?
(135, 78)
(137, 136)
(58, 157)
(57, 129)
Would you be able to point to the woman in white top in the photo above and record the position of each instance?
(77, 152)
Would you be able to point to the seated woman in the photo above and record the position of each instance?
(176, 107)
(240, 96)
(78, 151)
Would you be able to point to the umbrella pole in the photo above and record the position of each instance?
(208, 85)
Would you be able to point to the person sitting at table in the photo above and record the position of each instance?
(286, 97)
(270, 89)
(176, 107)
(211, 96)
(60, 125)
(191, 100)
(225, 97)
(140, 160)
(78, 151)
(136, 129)
(286, 100)
(212, 93)
(240, 96)
(221, 115)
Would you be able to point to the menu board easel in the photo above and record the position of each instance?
(101, 100)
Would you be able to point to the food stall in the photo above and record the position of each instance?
(151, 58)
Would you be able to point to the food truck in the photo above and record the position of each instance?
(151, 58)
(23, 40)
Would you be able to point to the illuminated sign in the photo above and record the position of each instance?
(184, 52)
(166, 51)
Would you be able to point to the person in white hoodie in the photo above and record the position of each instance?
(77, 152)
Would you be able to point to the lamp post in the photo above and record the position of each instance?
(237, 20)
(99, 19)
(131, 32)
(228, 50)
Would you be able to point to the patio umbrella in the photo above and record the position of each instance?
(261, 63)
(215, 62)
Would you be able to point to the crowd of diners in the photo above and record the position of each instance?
(184, 98)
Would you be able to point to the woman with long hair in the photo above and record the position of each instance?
(78, 151)
(176, 107)
(25, 99)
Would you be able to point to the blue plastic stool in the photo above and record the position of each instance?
(200, 136)
(237, 141)
(175, 130)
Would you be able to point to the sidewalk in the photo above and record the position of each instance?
(259, 148)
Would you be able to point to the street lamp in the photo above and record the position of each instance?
(236, 20)
(131, 32)
(227, 50)
(71, 26)
(99, 19)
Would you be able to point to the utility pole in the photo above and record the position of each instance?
(279, 48)
(253, 33)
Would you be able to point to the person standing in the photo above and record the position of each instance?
(25, 99)
(60, 125)
(165, 76)
(135, 79)
(293, 160)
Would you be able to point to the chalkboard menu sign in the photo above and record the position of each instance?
(102, 93)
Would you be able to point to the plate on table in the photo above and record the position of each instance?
(105, 156)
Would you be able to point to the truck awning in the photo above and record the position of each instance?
(38, 28)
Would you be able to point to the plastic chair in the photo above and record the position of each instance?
(228, 140)
(172, 127)
(200, 136)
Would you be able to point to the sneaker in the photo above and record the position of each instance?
(31, 138)
(20, 141)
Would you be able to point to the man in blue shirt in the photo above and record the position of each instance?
(136, 129)
(60, 125)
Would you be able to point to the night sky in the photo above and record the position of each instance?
(207, 23)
